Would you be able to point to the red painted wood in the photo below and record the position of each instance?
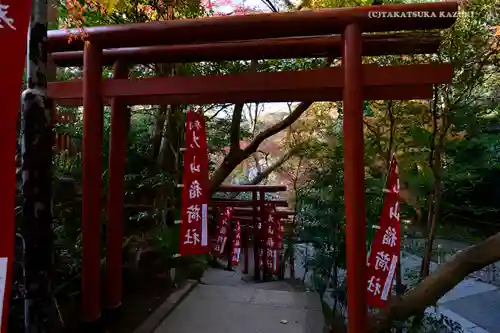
(282, 214)
(91, 184)
(246, 240)
(272, 48)
(116, 191)
(255, 236)
(251, 188)
(354, 176)
(13, 37)
(263, 214)
(246, 203)
(269, 95)
(251, 84)
(258, 26)
(246, 221)
(248, 210)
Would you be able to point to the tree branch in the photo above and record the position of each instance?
(264, 174)
(235, 126)
(291, 6)
(276, 128)
(238, 111)
(288, 121)
(270, 5)
(436, 285)
(236, 156)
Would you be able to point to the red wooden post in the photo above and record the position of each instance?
(117, 155)
(213, 230)
(245, 233)
(91, 183)
(354, 181)
(263, 241)
(229, 243)
(256, 236)
(13, 37)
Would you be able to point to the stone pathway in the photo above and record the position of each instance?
(223, 303)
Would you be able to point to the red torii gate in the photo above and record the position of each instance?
(250, 213)
(237, 35)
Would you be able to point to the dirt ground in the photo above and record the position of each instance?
(140, 299)
(143, 294)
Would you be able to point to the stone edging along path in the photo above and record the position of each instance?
(155, 319)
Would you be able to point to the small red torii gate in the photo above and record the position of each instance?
(352, 83)
(250, 213)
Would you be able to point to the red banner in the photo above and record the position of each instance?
(268, 233)
(236, 244)
(385, 250)
(278, 245)
(262, 232)
(194, 207)
(14, 21)
(222, 230)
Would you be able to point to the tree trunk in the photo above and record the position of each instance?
(436, 285)
(159, 127)
(230, 162)
(169, 161)
(158, 130)
(273, 167)
(435, 198)
(434, 206)
(36, 152)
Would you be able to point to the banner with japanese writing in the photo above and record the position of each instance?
(268, 234)
(14, 21)
(385, 250)
(278, 245)
(221, 233)
(236, 244)
(194, 206)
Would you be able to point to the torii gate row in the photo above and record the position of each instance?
(352, 83)
(247, 220)
(249, 213)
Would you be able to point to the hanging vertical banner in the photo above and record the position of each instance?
(221, 233)
(194, 206)
(14, 21)
(385, 250)
(268, 233)
(262, 234)
(236, 244)
(278, 245)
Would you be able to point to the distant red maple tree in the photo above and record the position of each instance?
(214, 6)
(76, 11)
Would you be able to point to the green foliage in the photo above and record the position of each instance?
(321, 216)
(471, 179)
(166, 241)
(470, 169)
(466, 120)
